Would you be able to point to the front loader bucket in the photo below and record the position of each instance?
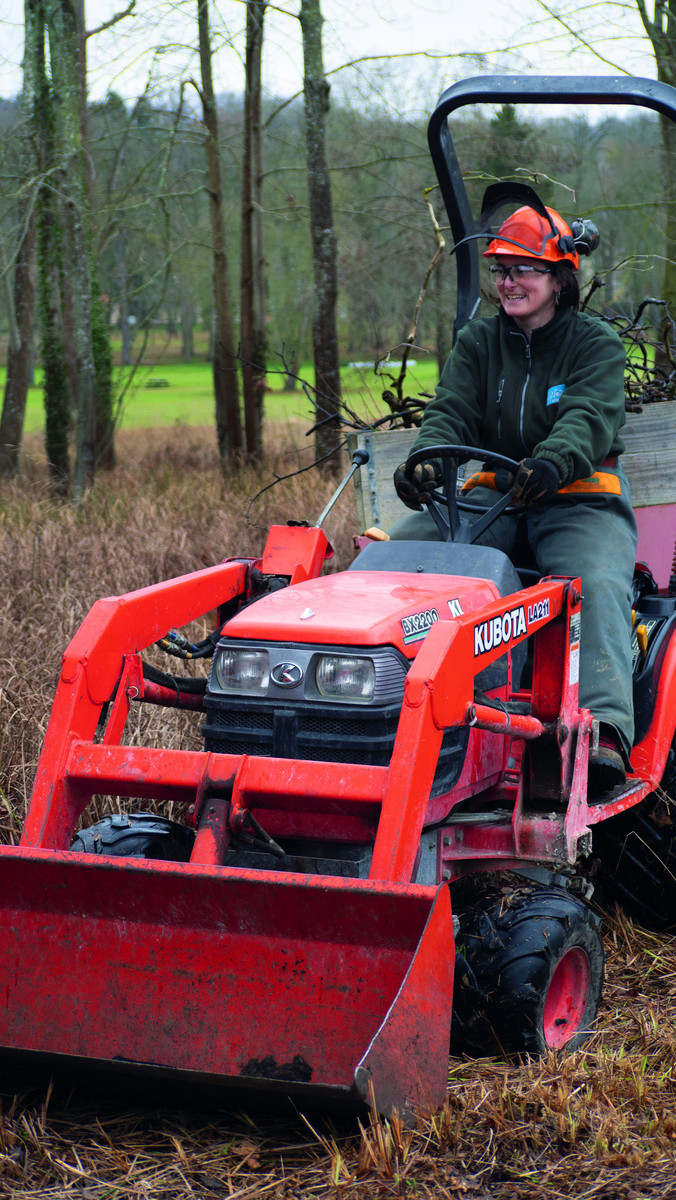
(316, 986)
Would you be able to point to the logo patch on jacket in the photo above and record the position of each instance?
(555, 393)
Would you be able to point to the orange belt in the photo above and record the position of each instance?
(600, 483)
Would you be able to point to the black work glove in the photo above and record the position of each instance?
(425, 477)
(535, 479)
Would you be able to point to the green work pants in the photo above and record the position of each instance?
(595, 539)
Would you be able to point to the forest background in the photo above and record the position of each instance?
(137, 171)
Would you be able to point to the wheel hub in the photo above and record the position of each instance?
(567, 997)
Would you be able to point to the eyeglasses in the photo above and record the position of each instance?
(500, 273)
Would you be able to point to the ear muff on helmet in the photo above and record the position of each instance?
(587, 236)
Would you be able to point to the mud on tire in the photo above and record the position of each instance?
(529, 973)
(136, 835)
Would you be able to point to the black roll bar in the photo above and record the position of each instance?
(530, 89)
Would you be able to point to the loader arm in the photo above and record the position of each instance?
(101, 657)
(439, 693)
(92, 666)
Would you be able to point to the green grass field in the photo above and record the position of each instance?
(177, 393)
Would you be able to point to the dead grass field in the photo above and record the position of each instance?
(600, 1123)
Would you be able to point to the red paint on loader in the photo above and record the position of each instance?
(247, 976)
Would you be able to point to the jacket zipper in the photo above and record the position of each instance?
(523, 394)
(501, 387)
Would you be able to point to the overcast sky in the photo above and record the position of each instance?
(423, 32)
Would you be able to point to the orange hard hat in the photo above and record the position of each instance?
(527, 234)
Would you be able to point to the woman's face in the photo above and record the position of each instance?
(530, 298)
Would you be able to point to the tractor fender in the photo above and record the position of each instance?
(649, 756)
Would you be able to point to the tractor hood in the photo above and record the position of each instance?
(362, 608)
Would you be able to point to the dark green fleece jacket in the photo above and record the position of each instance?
(559, 396)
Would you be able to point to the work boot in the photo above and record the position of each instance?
(606, 765)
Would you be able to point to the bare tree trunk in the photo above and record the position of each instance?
(226, 390)
(324, 244)
(19, 358)
(56, 389)
(253, 333)
(64, 63)
(104, 422)
(21, 297)
(668, 131)
(49, 263)
(187, 329)
(260, 325)
(126, 328)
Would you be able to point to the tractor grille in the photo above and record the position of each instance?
(334, 734)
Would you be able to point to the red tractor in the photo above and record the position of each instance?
(370, 737)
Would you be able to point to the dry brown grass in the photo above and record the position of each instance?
(165, 510)
(597, 1125)
(600, 1123)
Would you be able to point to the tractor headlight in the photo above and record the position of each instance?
(345, 677)
(241, 670)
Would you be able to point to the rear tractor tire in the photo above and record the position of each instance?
(529, 973)
(637, 855)
(137, 835)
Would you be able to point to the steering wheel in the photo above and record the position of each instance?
(454, 528)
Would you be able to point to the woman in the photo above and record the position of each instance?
(543, 384)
